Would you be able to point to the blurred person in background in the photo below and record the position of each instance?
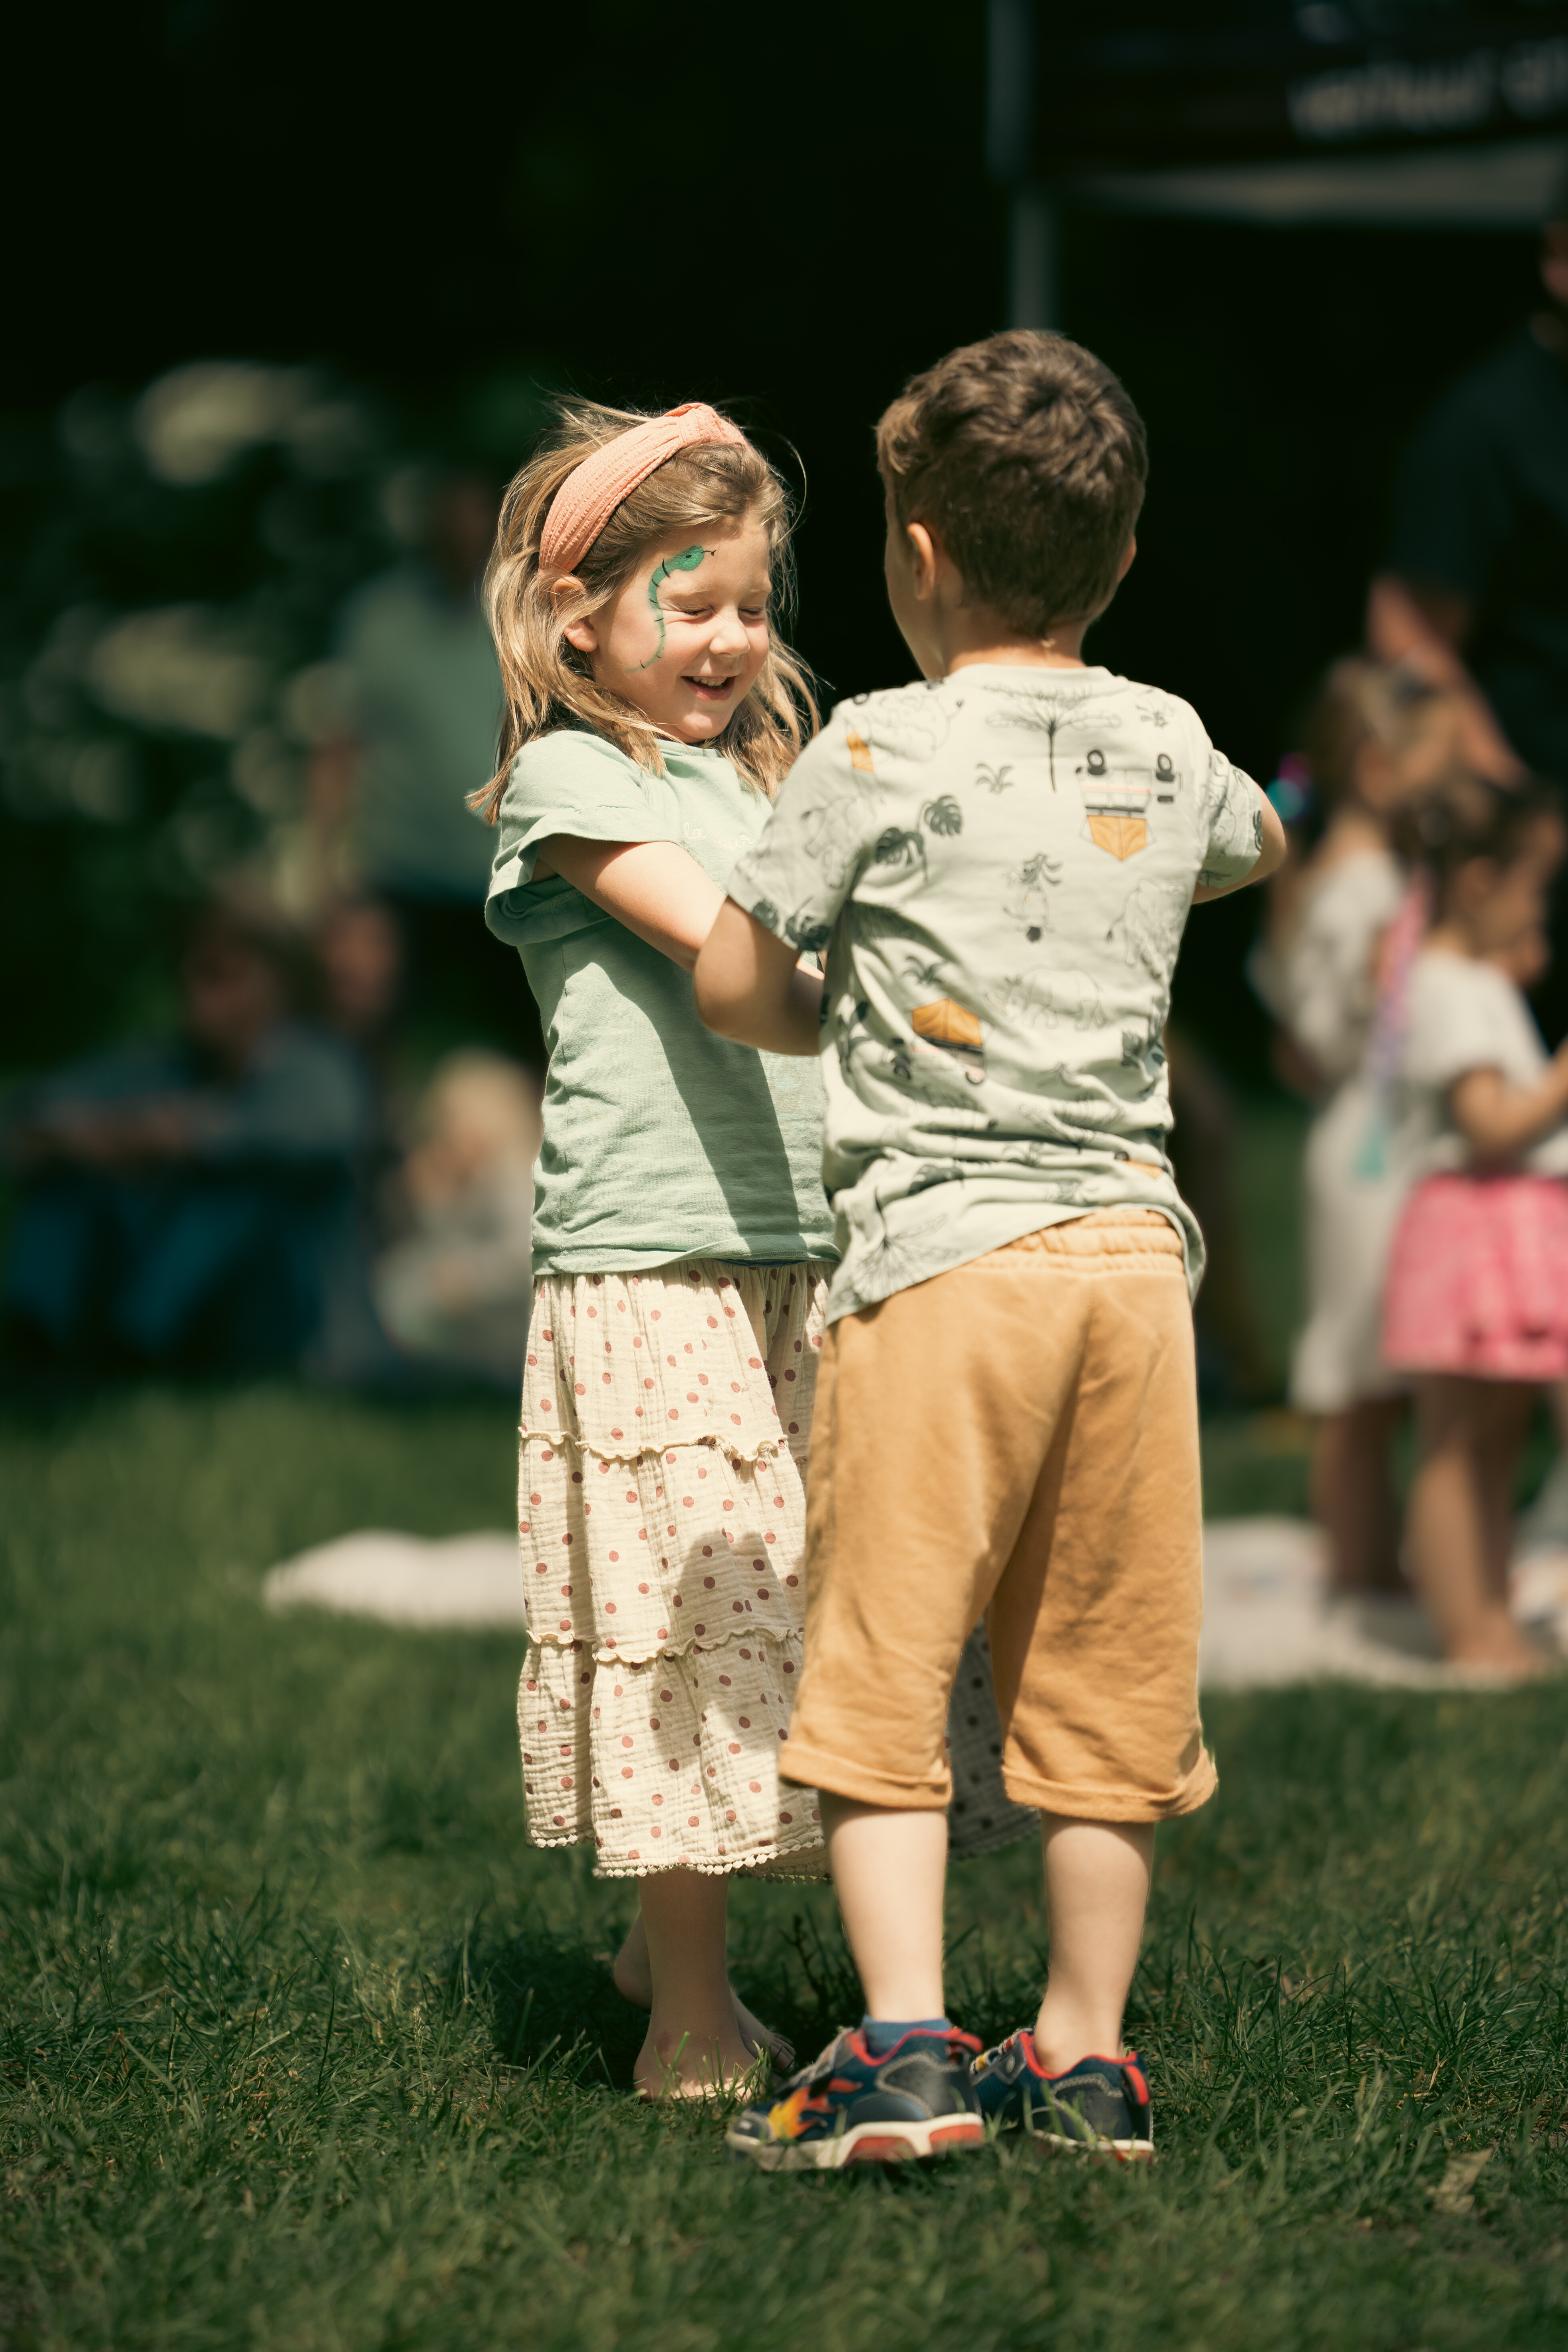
(1475, 584)
(358, 953)
(457, 1290)
(187, 1205)
(419, 708)
(1379, 741)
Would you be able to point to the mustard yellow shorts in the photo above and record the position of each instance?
(1017, 1440)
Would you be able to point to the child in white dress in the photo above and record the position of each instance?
(1344, 929)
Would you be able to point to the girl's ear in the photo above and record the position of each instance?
(582, 633)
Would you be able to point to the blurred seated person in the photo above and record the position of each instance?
(358, 951)
(417, 722)
(188, 1205)
(458, 1290)
(357, 947)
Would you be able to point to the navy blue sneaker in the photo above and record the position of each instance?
(1100, 2107)
(849, 2107)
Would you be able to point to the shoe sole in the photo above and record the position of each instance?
(1122, 2151)
(881, 2143)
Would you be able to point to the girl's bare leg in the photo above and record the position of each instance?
(1508, 1405)
(1453, 1521)
(693, 2042)
(1097, 1891)
(1353, 1497)
(633, 1972)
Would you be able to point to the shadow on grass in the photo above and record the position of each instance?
(554, 2006)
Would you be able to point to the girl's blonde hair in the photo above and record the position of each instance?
(714, 485)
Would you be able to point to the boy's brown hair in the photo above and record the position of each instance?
(1025, 458)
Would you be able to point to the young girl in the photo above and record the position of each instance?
(1378, 743)
(1477, 1306)
(681, 1238)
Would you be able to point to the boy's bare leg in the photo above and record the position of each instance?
(1353, 1498)
(1097, 1891)
(693, 2041)
(633, 1972)
(888, 1869)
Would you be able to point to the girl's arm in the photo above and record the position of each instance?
(750, 988)
(664, 896)
(653, 887)
(1497, 1119)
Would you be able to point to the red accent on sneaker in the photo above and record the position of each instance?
(1093, 2058)
(1134, 2075)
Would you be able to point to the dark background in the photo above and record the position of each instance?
(785, 213)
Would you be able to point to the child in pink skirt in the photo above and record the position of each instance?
(1477, 1305)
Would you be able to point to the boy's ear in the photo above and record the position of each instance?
(582, 633)
(1129, 554)
(925, 558)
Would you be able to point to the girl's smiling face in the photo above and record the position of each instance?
(685, 638)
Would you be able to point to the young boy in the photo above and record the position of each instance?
(999, 865)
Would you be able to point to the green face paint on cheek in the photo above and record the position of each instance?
(687, 560)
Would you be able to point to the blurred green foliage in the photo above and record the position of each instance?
(170, 564)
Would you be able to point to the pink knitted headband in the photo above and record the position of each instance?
(592, 490)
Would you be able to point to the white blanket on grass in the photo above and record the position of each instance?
(1268, 1618)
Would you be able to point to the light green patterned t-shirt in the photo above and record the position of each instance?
(662, 1141)
(998, 865)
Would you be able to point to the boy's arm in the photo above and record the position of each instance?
(1272, 851)
(750, 988)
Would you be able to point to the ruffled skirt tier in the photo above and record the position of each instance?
(662, 1515)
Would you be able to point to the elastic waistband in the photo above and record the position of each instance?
(1103, 1233)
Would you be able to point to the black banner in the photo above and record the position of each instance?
(1181, 83)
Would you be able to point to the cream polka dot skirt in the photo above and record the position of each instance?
(662, 1516)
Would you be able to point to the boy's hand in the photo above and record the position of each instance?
(751, 988)
(1270, 855)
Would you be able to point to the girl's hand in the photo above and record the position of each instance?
(653, 887)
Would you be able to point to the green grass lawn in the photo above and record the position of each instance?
(303, 2048)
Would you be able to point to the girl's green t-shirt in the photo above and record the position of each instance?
(661, 1140)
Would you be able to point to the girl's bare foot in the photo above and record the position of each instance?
(1496, 1647)
(669, 2067)
(634, 1982)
